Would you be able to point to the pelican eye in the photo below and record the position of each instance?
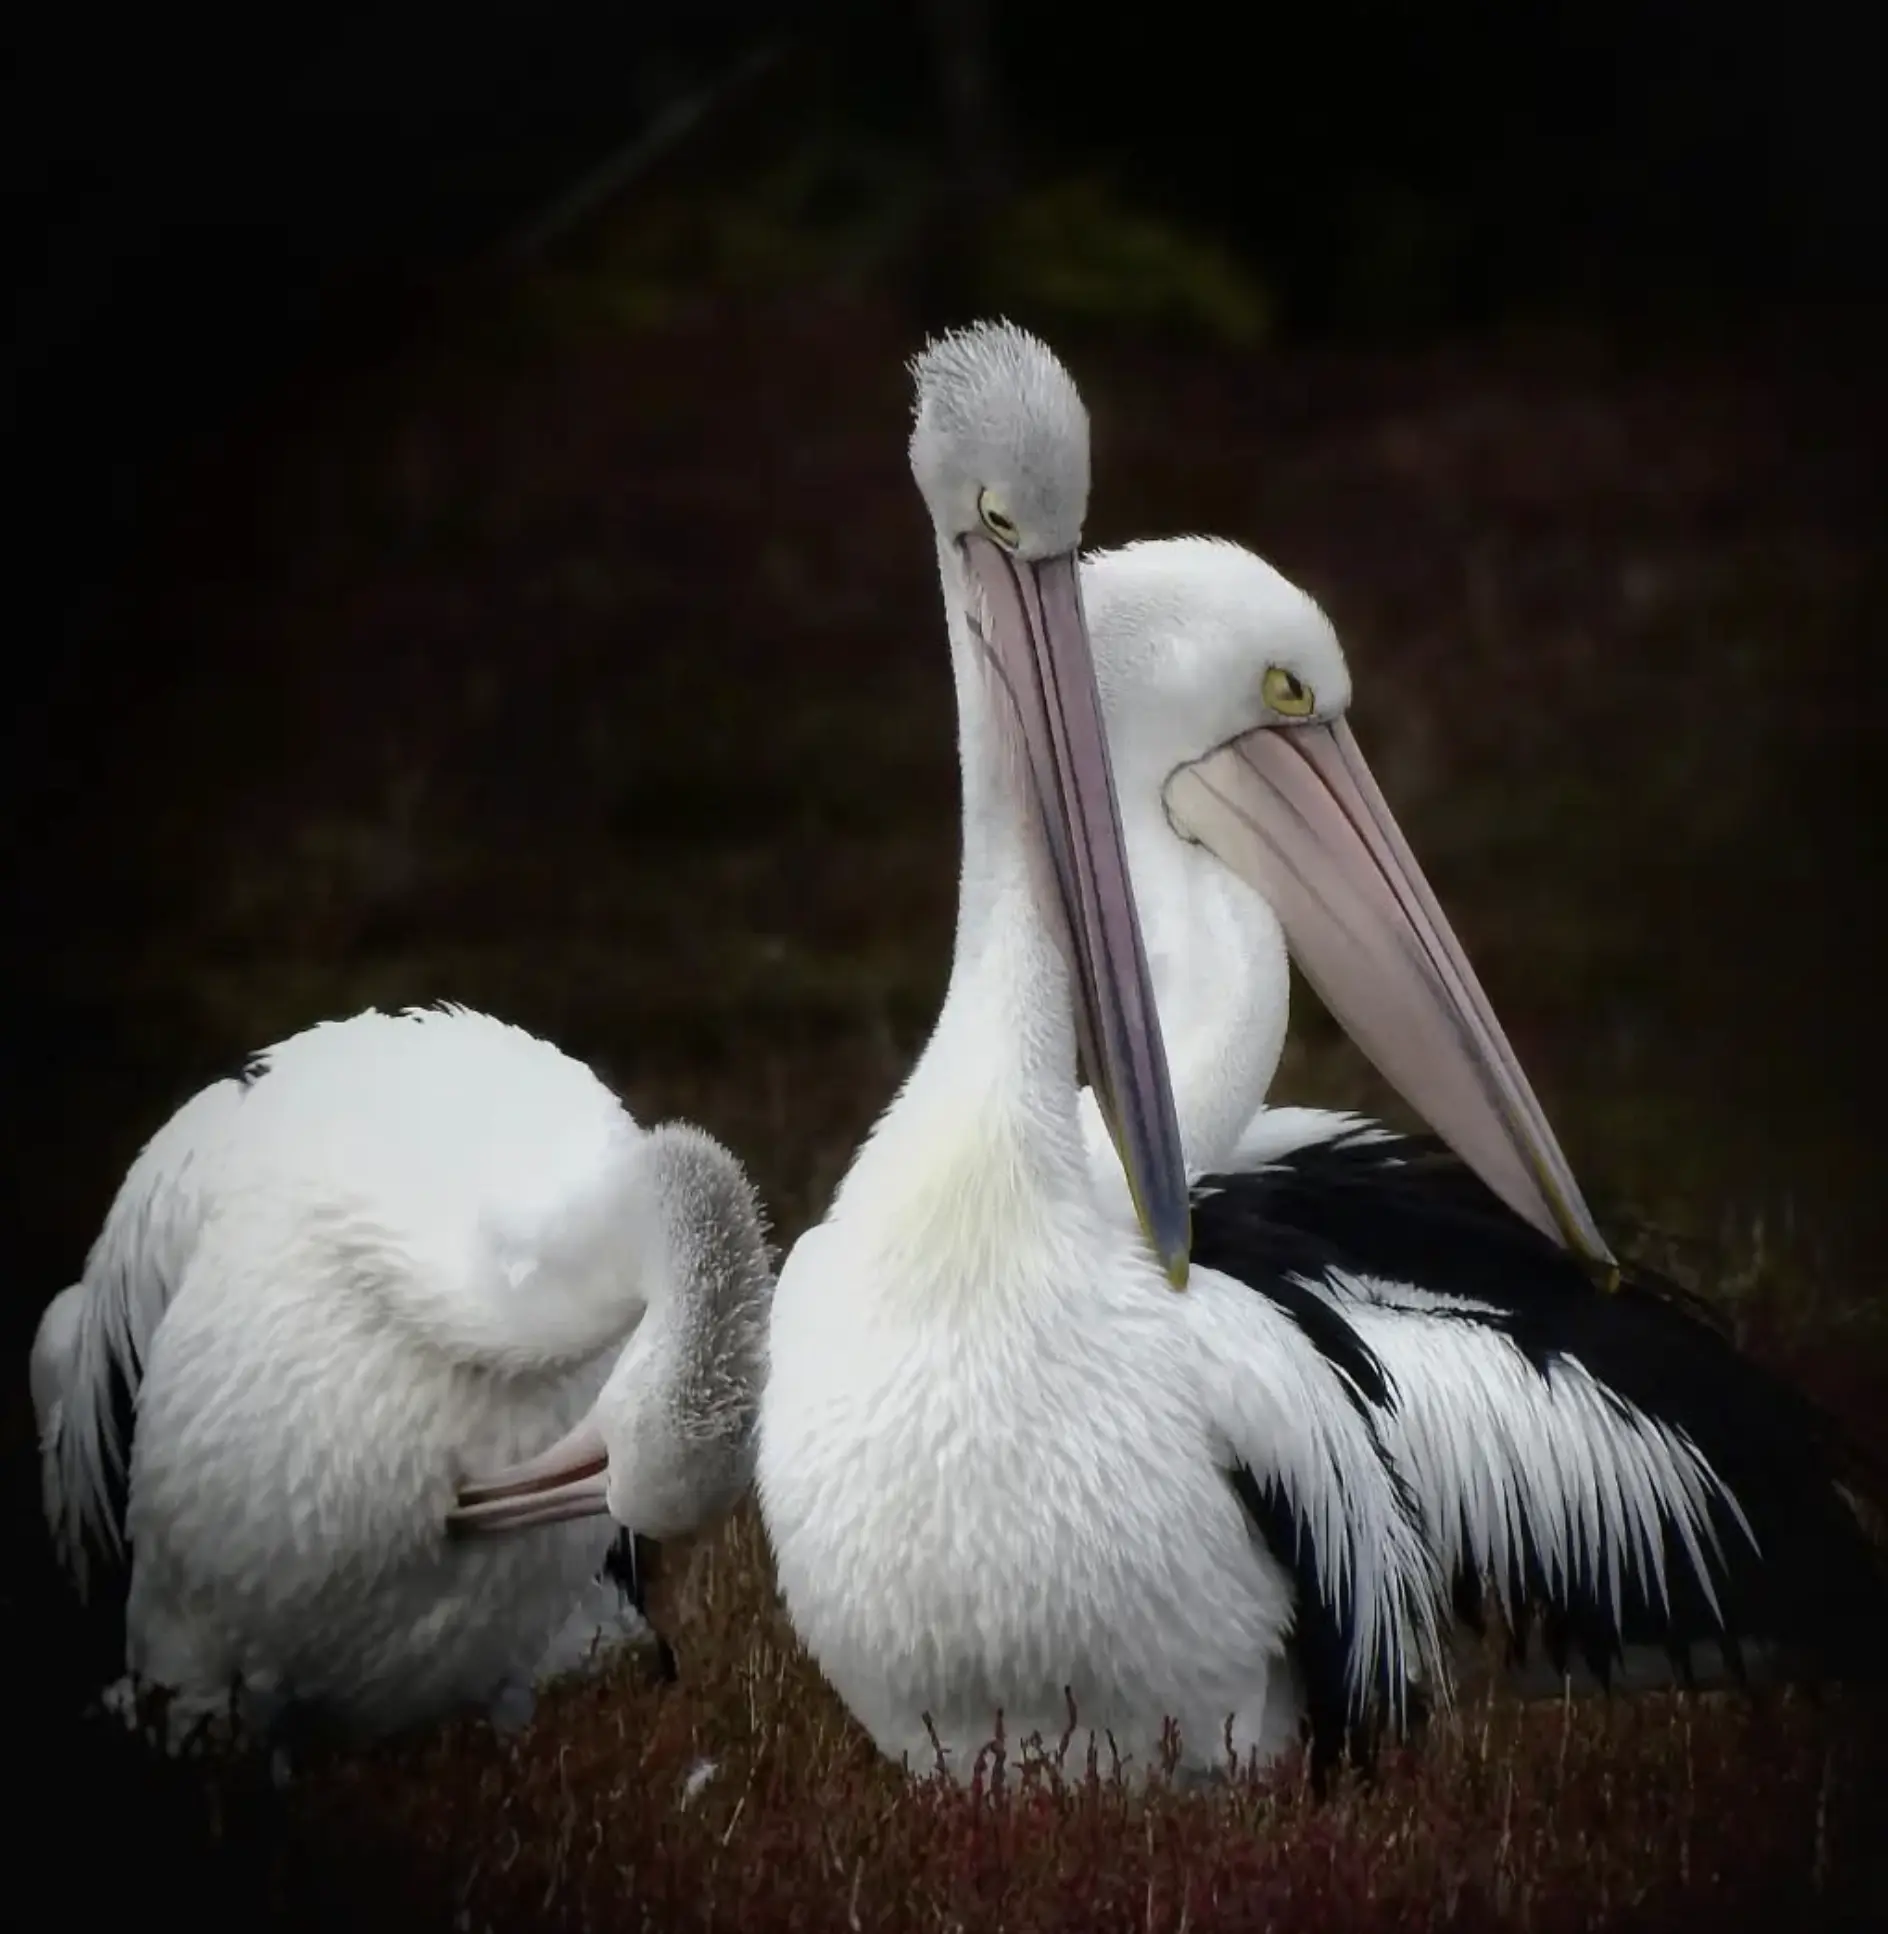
(997, 521)
(1286, 693)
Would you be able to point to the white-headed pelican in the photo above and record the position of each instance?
(1622, 1473)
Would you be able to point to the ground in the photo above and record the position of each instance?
(591, 671)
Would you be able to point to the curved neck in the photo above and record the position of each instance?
(703, 1341)
(679, 1409)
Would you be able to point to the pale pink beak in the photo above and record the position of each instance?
(1039, 648)
(570, 1480)
(1294, 811)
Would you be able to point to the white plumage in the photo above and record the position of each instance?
(1561, 1440)
(100, 1329)
(1002, 1463)
(402, 1247)
(1180, 630)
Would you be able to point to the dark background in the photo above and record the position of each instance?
(193, 206)
(428, 579)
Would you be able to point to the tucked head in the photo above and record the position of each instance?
(999, 448)
(668, 1445)
(1227, 695)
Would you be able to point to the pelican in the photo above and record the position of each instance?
(1622, 1474)
(1014, 1457)
(1197, 643)
(1002, 1464)
(398, 1248)
(667, 1448)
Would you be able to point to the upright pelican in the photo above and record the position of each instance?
(1616, 1467)
(399, 1248)
(1198, 643)
(1011, 1453)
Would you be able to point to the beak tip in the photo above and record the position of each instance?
(1174, 1249)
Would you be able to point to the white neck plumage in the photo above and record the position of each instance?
(1223, 976)
(982, 1145)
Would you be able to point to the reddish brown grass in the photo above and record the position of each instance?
(1656, 1811)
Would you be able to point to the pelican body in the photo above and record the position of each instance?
(1581, 1437)
(399, 1248)
(1013, 1454)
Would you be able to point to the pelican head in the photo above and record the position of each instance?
(1229, 693)
(999, 449)
(668, 1446)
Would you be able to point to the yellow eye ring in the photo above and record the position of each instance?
(997, 521)
(1287, 694)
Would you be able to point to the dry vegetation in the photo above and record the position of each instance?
(1557, 1814)
(595, 678)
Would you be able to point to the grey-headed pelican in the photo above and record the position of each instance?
(1013, 1454)
(400, 1249)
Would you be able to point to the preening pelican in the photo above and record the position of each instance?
(1620, 1471)
(1012, 1454)
(399, 1248)
(668, 1446)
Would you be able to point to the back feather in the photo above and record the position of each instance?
(110, 1318)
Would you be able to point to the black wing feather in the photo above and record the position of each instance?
(1405, 1209)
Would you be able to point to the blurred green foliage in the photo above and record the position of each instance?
(1078, 248)
(842, 211)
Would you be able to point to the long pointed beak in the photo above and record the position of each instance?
(1295, 812)
(570, 1480)
(1038, 643)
